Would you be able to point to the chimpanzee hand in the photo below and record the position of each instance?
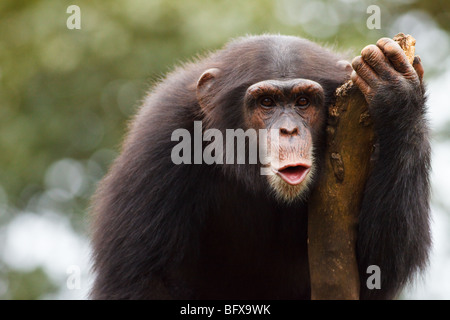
(391, 85)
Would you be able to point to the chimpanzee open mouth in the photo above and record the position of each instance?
(293, 174)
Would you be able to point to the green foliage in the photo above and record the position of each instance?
(28, 285)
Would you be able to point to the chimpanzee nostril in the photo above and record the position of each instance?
(289, 130)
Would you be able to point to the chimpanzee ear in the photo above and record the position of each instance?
(204, 84)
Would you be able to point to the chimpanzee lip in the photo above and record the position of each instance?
(293, 174)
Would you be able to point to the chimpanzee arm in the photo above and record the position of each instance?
(394, 220)
(140, 228)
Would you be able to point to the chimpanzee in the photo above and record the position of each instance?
(190, 230)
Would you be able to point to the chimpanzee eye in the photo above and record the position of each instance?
(267, 102)
(302, 102)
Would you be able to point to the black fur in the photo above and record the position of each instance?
(163, 231)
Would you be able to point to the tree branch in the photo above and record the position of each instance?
(335, 204)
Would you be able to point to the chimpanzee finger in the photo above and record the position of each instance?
(396, 55)
(362, 85)
(417, 64)
(365, 71)
(375, 58)
(344, 65)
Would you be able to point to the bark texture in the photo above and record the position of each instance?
(335, 204)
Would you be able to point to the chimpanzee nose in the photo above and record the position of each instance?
(288, 127)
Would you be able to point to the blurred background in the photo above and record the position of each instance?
(66, 96)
